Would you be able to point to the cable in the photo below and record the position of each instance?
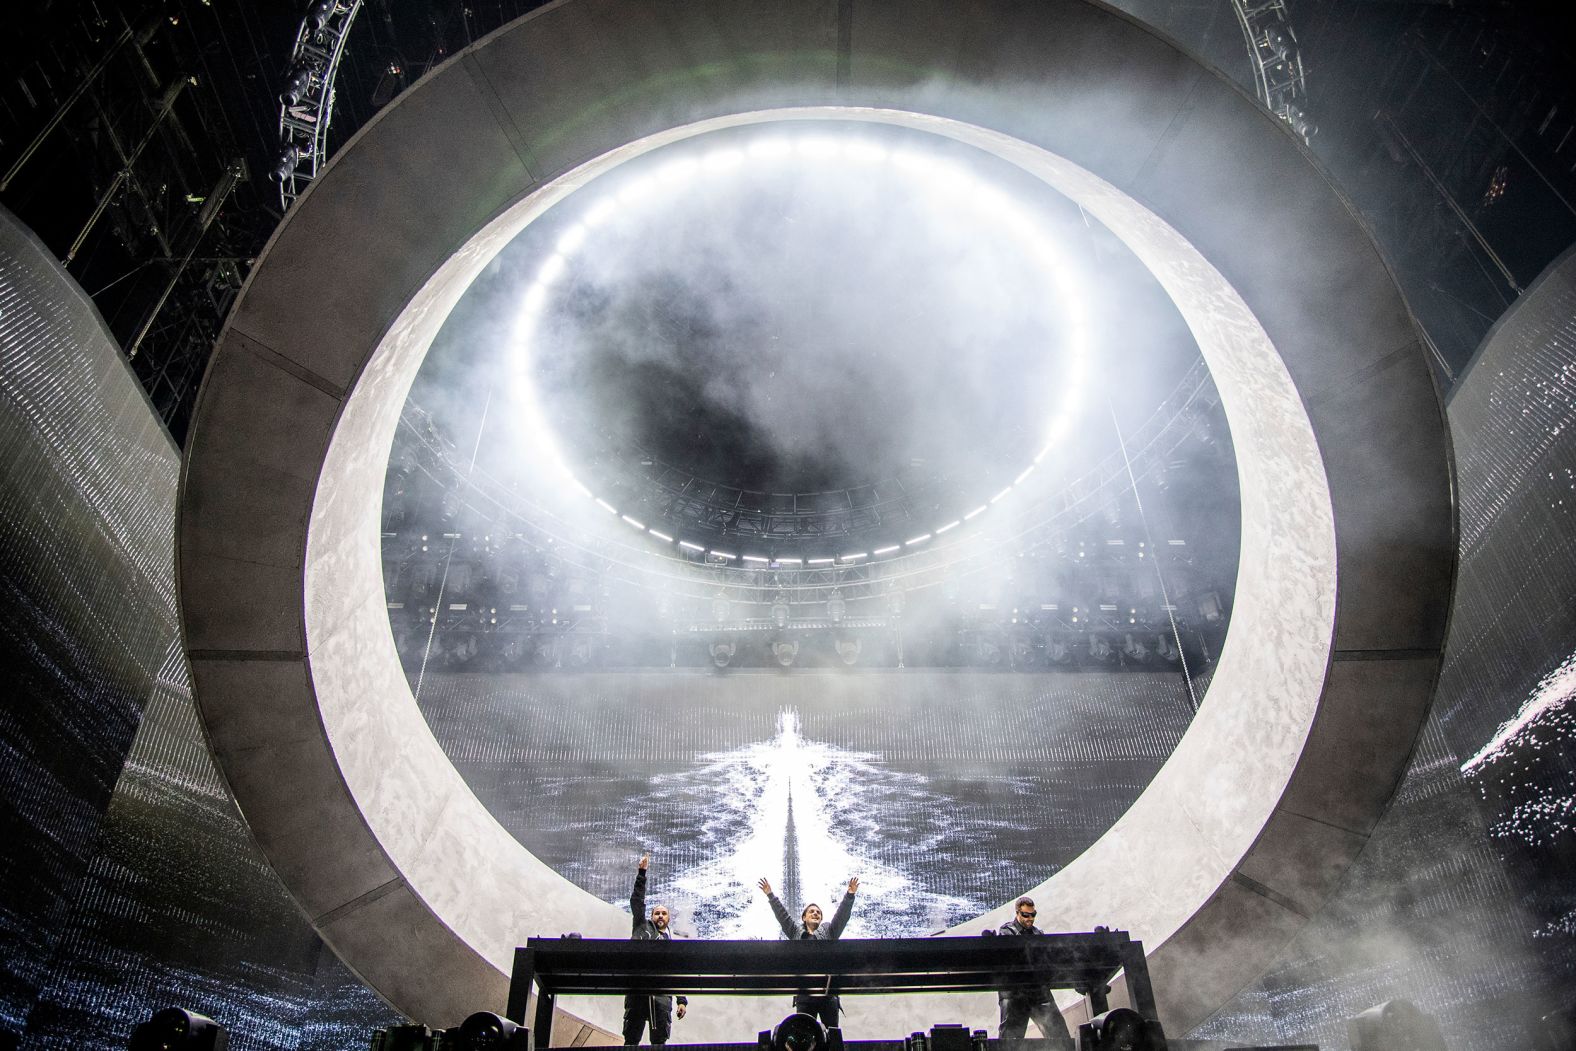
(1165, 596)
(443, 581)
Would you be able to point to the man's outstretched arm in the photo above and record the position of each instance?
(845, 909)
(637, 897)
(784, 920)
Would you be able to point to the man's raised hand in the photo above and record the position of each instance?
(853, 885)
(645, 859)
(766, 888)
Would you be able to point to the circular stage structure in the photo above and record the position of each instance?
(1348, 540)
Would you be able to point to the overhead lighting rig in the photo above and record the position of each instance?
(1278, 76)
(306, 100)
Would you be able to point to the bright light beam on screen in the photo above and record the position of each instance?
(949, 185)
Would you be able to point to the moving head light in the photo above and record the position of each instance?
(176, 1029)
(1395, 1025)
(403, 1038)
(485, 1031)
(801, 1032)
(1120, 1029)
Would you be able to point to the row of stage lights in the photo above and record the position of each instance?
(1389, 1026)
(951, 184)
(177, 1029)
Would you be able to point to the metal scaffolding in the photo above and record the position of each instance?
(306, 102)
(1278, 76)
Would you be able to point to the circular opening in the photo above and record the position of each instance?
(1202, 810)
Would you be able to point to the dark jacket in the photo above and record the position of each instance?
(641, 927)
(1037, 994)
(795, 929)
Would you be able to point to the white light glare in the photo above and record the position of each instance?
(679, 170)
(601, 212)
(935, 175)
(769, 149)
(552, 269)
(886, 550)
(865, 152)
(689, 546)
(535, 296)
(638, 525)
(723, 160)
(855, 556)
(636, 189)
(661, 536)
(816, 147)
(822, 561)
(573, 238)
(723, 554)
(755, 558)
(918, 539)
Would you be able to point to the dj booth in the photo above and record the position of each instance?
(1083, 962)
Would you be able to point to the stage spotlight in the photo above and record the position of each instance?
(485, 1031)
(1559, 1030)
(403, 1038)
(836, 607)
(722, 652)
(1056, 651)
(317, 15)
(286, 166)
(801, 1032)
(785, 651)
(780, 610)
(1120, 1029)
(1395, 1025)
(580, 653)
(296, 86)
(1301, 123)
(848, 650)
(1100, 649)
(176, 1029)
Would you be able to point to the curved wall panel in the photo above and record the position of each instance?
(293, 428)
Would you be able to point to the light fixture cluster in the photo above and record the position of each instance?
(948, 183)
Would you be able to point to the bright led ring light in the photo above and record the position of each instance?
(938, 180)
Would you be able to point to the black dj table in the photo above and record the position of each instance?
(1082, 962)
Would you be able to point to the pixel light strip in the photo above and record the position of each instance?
(947, 181)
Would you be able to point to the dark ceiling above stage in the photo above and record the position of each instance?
(1448, 124)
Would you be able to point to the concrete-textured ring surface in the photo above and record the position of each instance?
(1324, 680)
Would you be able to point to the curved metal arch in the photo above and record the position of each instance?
(306, 102)
(282, 606)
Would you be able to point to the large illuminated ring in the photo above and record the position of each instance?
(1345, 570)
(993, 213)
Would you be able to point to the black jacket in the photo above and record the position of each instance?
(1037, 994)
(641, 927)
(795, 930)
